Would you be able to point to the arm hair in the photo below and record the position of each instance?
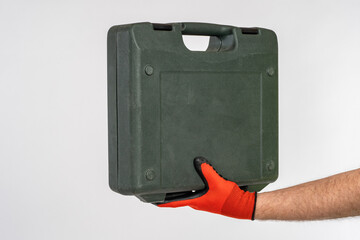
(336, 196)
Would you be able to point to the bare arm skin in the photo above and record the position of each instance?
(332, 197)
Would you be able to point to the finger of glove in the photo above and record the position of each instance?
(175, 204)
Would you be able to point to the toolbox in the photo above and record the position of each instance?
(168, 104)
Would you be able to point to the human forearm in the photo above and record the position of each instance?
(332, 197)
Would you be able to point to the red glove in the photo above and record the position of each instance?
(219, 196)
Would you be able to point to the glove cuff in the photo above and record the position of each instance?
(239, 204)
(253, 214)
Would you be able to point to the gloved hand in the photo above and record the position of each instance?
(219, 196)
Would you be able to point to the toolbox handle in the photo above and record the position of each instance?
(190, 28)
(222, 37)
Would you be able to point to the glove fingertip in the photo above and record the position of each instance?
(198, 161)
(210, 170)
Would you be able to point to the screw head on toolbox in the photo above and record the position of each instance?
(270, 165)
(149, 70)
(270, 71)
(150, 174)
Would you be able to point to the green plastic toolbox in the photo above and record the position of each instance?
(168, 104)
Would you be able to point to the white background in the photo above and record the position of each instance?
(53, 122)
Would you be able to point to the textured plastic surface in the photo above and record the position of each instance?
(168, 105)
